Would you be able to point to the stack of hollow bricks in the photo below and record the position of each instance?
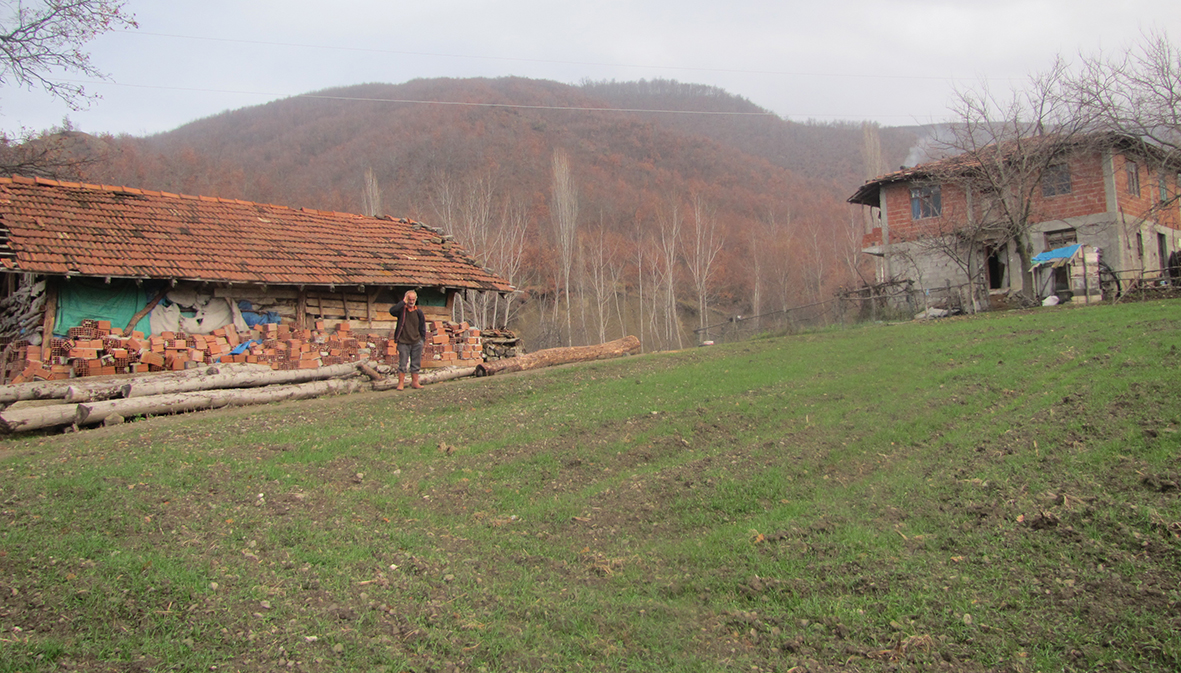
(96, 348)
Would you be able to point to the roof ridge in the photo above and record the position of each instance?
(122, 189)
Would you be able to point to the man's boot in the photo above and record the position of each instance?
(414, 381)
(401, 379)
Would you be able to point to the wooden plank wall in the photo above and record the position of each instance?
(360, 309)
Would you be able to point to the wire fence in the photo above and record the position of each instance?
(904, 300)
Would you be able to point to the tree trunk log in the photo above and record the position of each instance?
(97, 412)
(46, 390)
(82, 390)
(560, 356)
(35, 418)
(238, 380)
(433, 377)
(372, 373)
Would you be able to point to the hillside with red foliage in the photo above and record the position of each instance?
(477, 157)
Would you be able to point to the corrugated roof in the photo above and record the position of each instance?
(61, 228)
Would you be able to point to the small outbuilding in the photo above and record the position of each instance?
(84, 262)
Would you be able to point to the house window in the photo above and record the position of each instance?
(1133, 170)
(1056, 180)
(1164, 188)
(925, 202)
(1061, 238)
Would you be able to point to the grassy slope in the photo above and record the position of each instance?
(994, 493)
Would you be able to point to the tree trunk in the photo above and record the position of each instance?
(432, 377)
(35, 418)
(104, 388)
(238, 380)
(559, 356)
(96, 412)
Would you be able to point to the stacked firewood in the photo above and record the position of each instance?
(502, 343)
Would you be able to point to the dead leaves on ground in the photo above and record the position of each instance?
(922, 643)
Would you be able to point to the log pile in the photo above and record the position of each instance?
(500, 344)
(21, 311)
(235, 384)
(207, 387)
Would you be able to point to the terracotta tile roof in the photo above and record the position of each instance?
(60, 228)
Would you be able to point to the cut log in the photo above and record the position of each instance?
(561, 356)
(372, 373)
(431, 377)
(252, 379)
(87, 389)
(36, 418)
(97, 412)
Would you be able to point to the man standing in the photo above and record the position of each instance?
(410, 335)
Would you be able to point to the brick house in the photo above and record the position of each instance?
(1105, 192)
(92, 258)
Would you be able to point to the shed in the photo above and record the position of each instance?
(74, 253)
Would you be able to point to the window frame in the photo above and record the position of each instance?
(926, 201)
(1056, 180)
(1063, 238)
(1132, 170)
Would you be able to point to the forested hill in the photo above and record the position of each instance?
(431, 149)
(834, 151)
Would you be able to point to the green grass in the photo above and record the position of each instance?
(988, 493)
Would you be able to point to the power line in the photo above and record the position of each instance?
(520, 59)
(410, 101)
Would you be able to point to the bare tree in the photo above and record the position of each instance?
(39, 43)
(508, 254)
(370, 195)
(39, 40)
(1136, 93)
(1005, 146)
(701, 252)
(669, 231)
(564, 211)
(602, 273)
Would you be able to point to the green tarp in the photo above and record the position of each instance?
(79, 299)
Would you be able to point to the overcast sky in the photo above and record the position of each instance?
(893, 61)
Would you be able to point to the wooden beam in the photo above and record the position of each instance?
(47, 322)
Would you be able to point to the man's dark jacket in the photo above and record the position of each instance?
(399, 311)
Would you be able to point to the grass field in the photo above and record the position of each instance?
(995, 493)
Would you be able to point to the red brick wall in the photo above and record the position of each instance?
(1087, 194)
(1142, 206)
(1087, 197)
(904, 228)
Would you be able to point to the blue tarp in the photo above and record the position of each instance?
(255, 318)
(1056, 253)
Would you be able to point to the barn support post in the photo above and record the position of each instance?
(301, 309)
(47, 321)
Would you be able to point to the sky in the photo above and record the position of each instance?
(896, 62)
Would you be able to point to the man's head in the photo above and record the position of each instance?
(411, 298)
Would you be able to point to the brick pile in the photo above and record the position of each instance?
(452, 344)
(95, 348)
